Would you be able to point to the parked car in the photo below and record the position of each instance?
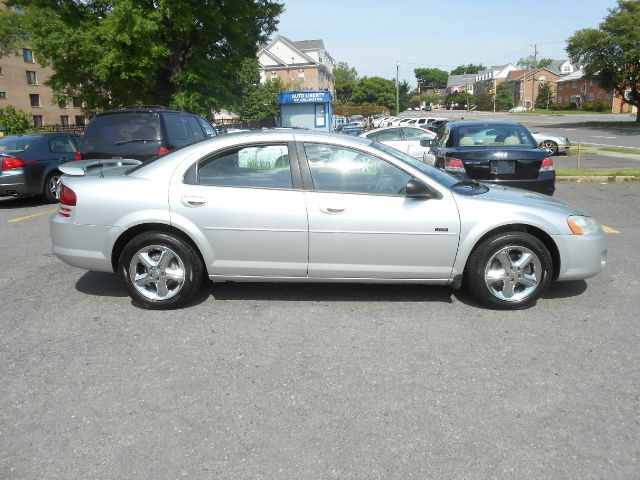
(554, 144)
(357, 119)
(30, 163)
(330, 208)
(517, 109)
(352, 129)
(141, 133)
(503, 153)
(434, 125)
(405, 139)
(420, 121)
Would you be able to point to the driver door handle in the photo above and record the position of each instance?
(193, 201)
(332, 210)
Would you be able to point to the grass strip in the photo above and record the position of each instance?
(598, 172)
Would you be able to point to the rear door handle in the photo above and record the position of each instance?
(193, 201)
(332, 210)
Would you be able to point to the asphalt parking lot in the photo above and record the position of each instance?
(293, 381)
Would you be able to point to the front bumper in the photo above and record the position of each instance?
(582, 256)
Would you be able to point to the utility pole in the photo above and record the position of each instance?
(466, 88)
(533, 78)
(397, 88)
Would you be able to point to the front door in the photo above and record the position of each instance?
(361, 224)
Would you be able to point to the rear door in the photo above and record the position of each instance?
(247, 202)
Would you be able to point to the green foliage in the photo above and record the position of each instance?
(596, 106)
(545, 95)
(346, 78)
(182, 53)
(14, 121)
(11, 31)
(364, 110)
(484, 102)
(471, 68)
(258, 101)
(504, 96)
(461, 99)
(374, 91)
(431, 77)
(562, 106)
(610, 54)
(530, 62)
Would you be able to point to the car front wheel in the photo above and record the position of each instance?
(509, 270)
(160, 271)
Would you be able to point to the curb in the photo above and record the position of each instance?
(598, 179)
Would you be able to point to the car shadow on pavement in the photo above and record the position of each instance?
(101, 284)
(7, 203)
(565, 289)
(330, 292)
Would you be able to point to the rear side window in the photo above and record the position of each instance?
(208, 128)
(265, 166)
(16, 144)
(62, 145)
(122, 127)
(196, 129)
(177, 132)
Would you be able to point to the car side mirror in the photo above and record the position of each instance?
(426, 142)
(417, 189)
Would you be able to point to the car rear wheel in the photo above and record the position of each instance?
(509, 270)
(550, 146)
(51, 192)
(160, 271)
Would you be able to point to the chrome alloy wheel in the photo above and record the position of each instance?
(550, 146)
(53, 186)
(157, 272)
(513, 273)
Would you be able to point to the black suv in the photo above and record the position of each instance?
(140, 133)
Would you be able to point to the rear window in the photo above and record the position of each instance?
(492, 136)
(16, 144)
(121, 127)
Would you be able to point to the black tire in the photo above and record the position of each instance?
(509, 271)
(550, 146)
(51, 189)
(168, 270)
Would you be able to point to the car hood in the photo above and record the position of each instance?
(527, 199)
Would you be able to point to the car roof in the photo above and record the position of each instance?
(142, 109)
(485, 123)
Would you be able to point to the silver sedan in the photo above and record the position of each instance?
(552, 143)
(299, 206)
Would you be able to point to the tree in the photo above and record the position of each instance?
(545, 95)
(431, 77)
(346, 78)
(504, 96)
(258, 101)
(531, 63)
(182, 53)
(460, 99)
(610, 54)
(14, 121)
(471, 68)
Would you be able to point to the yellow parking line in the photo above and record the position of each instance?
(606, 229)
(33, 215)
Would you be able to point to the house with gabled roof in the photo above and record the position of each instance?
(526, 84)
(491, 77)
(305, 63)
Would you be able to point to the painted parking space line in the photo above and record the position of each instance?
(606, 229)
(602, 136)
(33, 215)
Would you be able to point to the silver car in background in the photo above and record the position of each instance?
(299, 206)
(552, 143)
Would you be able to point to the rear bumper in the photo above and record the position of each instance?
(545, 183)
(82, 246)
(12, 182)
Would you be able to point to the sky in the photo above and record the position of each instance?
(373, 35)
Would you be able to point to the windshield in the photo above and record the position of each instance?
(438, 175)
(122, 128)
(492, 136)
(16, 144)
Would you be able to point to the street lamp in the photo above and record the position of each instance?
(397, 88)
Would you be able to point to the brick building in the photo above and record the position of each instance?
(576, 89)
(22, 85)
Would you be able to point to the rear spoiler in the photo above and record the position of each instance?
(78, 168)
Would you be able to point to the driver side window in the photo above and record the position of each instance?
(338, 169)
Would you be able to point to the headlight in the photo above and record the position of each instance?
(581, 225)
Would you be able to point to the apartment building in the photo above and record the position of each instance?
(305, 62)
(576, 89)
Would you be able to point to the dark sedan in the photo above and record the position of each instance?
(502, 153)
(30, 163)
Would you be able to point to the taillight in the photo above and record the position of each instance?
(163, 150)
(67, 196)
(547, 164)
(78, 155)
(9, 163)
(454, 165)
